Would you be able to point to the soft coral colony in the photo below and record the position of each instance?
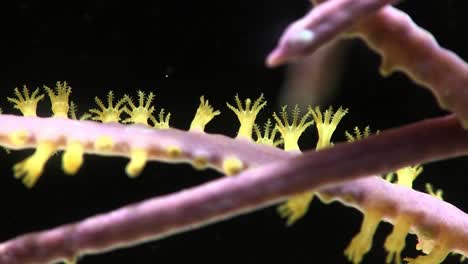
(262, 174)
(200, 149)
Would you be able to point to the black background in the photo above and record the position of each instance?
(181, 50)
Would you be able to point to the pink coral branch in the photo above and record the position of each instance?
(320, 25)
(402, 44)
(262, 186)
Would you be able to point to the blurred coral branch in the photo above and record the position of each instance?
(402, 44)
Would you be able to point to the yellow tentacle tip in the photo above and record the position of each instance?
(138, 158)
(406, 176)
(437, 193)
(358, 134)
(31, 168)
(295, 207)
(103, 143)
(326, 123)
(163, 121)
(18, 138)
(59, 99)
(362, 242)
(232, 165)
(173, 152)
(72, 158)
(25, 102)
(74, 110)
(205, 113)
(269, 135)
(141, 113)
(291, 132)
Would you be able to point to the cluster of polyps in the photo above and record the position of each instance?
(134, 143)
(137, 142)
(70, 138)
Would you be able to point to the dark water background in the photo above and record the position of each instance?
(181, 50)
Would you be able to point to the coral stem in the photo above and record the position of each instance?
(319, 26)
(259, 187)
(385, 31)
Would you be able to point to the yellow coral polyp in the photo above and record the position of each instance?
(138, 158)
(232, 165)
(358, 134)
(205, 113)
(162, 122)
(269, 136)
(247, 115)
(406, 176)
(59, 100)
(291, 132)
(73, 110)
(26, 103)
(31, 168)
(141, 113)
(111, 113)
(362, 242)
(295, 207)
(395, 242)
(72, 158)
(425, 245)
(326, 124)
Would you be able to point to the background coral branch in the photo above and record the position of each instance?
(402, 44)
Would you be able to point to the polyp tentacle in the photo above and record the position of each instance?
(26, 103)
(247, 115)
(205, 113)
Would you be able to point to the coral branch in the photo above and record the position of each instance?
(422, 59)
(322, 24)
(387, 32)
(256, 188)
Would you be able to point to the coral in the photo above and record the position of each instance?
(262, 175)
(295, 207)
(269, 135)
(362, 242)
(375, 197)
(26, 103)
(110, 113)
(59, 99)
(247, 115)
(291, 131)
(204, 114)
(141, 113)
